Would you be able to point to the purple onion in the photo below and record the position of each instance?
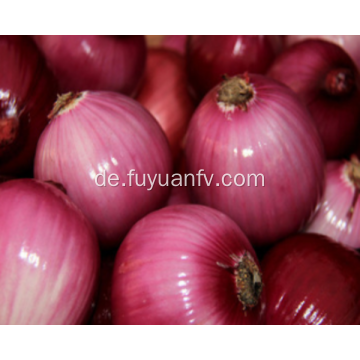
(95, 62)
(49, 257)
(256, 127)
(339, 214)
(91, 145)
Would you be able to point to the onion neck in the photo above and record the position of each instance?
(340, 82)
(64, 103)
(248, 281)
(235, 92)
(352, 170)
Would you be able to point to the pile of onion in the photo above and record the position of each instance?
(186, 264)
(27, 92)
(254, 132)
(92, 144)
(94, 62)
(49, 257)
(328, 82)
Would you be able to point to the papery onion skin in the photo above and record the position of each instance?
(165, 94)
(338, 216)
(168, 270)
(209, 57)
(95, 62)
(316, 70)
(27, 92)
(175, 42)
(49, 256)
(350, 43)
(272, 135)
(311, 280)
(106, 131)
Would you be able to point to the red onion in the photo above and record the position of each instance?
(209, 57)
(27, 92)
(94, 62)
(186, 264)
(327, 80)
(93, 134)
(49, 256)
(175, 42)
(102, 314)
(256, 127)
(338, 216)
(350, 43)
(312, 280)
(164, 93)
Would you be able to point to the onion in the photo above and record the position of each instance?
(27, 91)
(312, 280)
(350, 43)
(94, 62)
(49, 256)
(164, 93)
(102, 314)
(257, 128)
(338, 216)
(175, 42)
(93, 144)
(327, 80)
(209, 57)
(186, 264)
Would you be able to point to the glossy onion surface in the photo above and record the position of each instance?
(106, 133)
(27, 93)
(49, 257)
(350, 43)
(170, 270)
(312, 280)
(209, 57)
(327, 80)
(95, 62)
(274, 136)
(338, 216)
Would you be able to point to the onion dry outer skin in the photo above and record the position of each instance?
(311, 280)
(209, 57)
(339, 212)
(274, 136)
(350, 43)
(305, 68)
(170, 270)
(112, 132)
(27, 92)
(95, 62)
(165, 94)
(49, 256)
